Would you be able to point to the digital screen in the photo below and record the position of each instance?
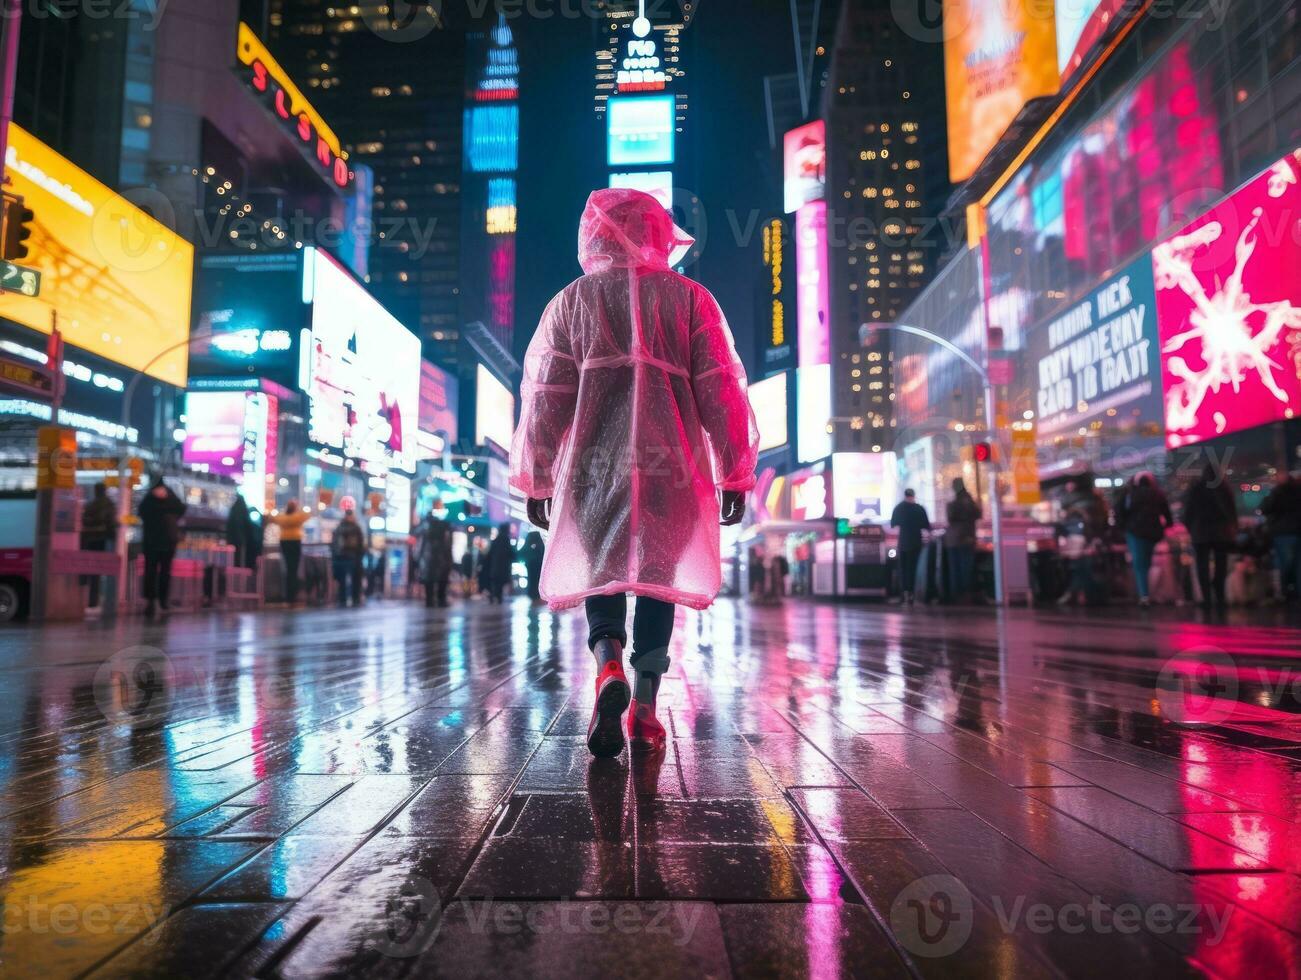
(640, 129)
(494, 410)
(1098, 358)
(438, 400)
(768, 399)
(813, 412)
(397, 504)
(657, 183)
(811, 495)
(997, 57)
(119, 280)
(1228, 300)
(916, 468)
(812, 296)
(804, 158)
(863, 485)
(248, 313)
(1080, 25)
(233, 433)
(492, 138)
(361, 370)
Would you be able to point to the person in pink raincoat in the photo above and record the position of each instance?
(635, 429)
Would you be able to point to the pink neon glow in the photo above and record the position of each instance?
(1229, 311)
(812, 301)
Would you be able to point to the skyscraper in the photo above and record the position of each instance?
(883, 106)
(395, 90)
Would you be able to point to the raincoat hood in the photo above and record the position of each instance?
(626, 229)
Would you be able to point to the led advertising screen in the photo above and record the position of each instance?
(494, 410)
(1080, 25)
(657, 183)
(640, 130)
(1228, 299)
(997, 57)
(248, 315)
(804, 170)
(863, 485)
(811, 494)
(813, 412)
(438, 398)
(812, 296)
(1099, 357)
(233, 433)
(360, 370)
(118, 280)
(768, 399)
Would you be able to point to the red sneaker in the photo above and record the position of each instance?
(644, 731)
(605, 731)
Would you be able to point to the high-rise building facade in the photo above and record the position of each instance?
(396, 89)
(883, 108)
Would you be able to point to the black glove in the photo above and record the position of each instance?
(733, 507)
(539, 512)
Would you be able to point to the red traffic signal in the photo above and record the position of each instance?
(983, 452)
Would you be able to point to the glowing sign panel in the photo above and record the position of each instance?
(804, 154)
(768, 399)
(1229, 311)
(640, 130)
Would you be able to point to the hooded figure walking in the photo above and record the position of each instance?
(635, 433)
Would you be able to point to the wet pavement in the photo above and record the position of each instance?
(847, 790)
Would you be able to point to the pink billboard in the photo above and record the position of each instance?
(1228, 300)
(804, 164)
(812, 298)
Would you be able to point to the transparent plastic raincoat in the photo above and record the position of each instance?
(634, 415)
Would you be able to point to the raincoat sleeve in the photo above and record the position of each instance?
(718, 380)
(548, 394)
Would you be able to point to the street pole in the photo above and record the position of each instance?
(13, 12)
(996, 502)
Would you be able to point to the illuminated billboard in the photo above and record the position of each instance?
(1098, 359)
(1079, 26)
(248, 315)
(864, 485)
(117, 279)
(812, 295)
(438, 398)
(494, 410)
(640, 129)
(997, 57)
(491, 138)
(657, 183)
(768, 399)
(360, 369)
(804, 170)
(233, 433)
(813, 412)
(1228, 300)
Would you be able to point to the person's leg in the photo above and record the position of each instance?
(150, 587)
(293, 553)
(442, 588)
(908, 571)
(165, 577)
(1221, 555)
(356, 572)
(1203, 559)
(1285, 560)
(1140, 552)
(652, 628)
(607, 635)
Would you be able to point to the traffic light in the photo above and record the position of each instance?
(983, 452)
(17, 229)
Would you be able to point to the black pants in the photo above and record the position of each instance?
(347, 572)
(534, 570)
(292, 553)
(158, 576)
(101, 544)
(1204, 552)
(908, 569)
(652, 624)
(436, 590)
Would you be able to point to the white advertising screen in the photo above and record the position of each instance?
(361, 370)
(494, 410)
(768, 399)
(640, 130)
(657, 183)
(863, 485)
(813, 412)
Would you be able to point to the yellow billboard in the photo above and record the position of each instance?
(997, 56)
(118, 280)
